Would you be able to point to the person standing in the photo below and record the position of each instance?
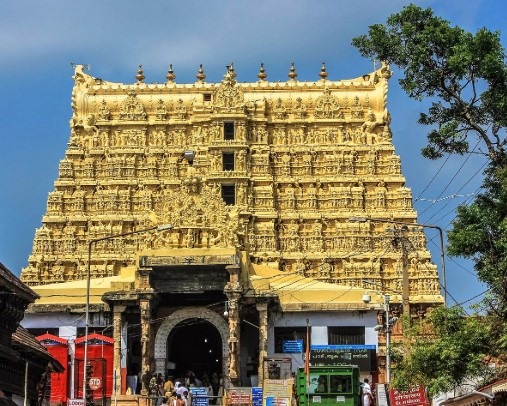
(367, 395)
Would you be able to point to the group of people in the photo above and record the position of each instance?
(177, 391)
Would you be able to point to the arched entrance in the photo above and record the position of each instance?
(186, 325)
(195, 345)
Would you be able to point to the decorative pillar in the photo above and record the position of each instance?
(262, 308)
(233, 290)
(145, 307)
(117, 330)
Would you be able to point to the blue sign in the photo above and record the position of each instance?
(292, 346)
(343, 347)
(256, 396)
(199, 396)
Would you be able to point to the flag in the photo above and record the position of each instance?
(307, 353)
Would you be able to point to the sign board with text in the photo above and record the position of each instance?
(292, 346)
(364, 356)
(413, 397)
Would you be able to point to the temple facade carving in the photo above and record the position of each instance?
(278, 170)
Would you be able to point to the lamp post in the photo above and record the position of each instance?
(440, 233)
(91, 242)
(387, 297)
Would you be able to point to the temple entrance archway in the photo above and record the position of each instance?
(195, 345)
(192, 324)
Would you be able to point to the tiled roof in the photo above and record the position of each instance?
(94, 336)
(24, 341)
(9, 281)
(51, 337)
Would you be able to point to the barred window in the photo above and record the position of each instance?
(345, 335)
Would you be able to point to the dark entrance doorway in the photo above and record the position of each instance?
(195, 345)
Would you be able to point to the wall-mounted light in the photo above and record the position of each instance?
(189, 155)
(226, 311)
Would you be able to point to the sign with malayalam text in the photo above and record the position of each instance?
(413, 397)
(292, 346)
(199, 396)
(257, 396)
(364, 356)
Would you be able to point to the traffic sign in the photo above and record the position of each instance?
(95, 383)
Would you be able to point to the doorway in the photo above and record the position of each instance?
(194, 345)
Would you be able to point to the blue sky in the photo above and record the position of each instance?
(40, 40)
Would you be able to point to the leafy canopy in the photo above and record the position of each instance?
(446, 359)
(464, 74)
(464, 77)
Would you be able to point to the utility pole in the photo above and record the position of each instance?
(401, 241)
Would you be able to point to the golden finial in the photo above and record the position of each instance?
(170, 74)
(262, 73)
(323, 74)
(231, 70)
(200, 74)
(140, 76)
(292, 73)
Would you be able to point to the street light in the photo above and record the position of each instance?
(440, 233)
(163, 227)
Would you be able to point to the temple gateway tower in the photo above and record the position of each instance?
(211, 220)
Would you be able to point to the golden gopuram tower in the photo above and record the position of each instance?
(278, 198)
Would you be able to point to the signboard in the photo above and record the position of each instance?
(257, 396)
(272, 401)
(199, 396)
(76, 402)
(95, 383)
(239, 396)
(278, 392)
(292, 346)
(381, 395)
(413, 397)
(364, 356)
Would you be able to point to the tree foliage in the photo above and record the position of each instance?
(464, 74)
(464, 77)
(449, 357)
(480, 233)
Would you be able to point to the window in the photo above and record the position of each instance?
(340, 384)
(289, 334)
(318, 383)
(229, 194)
(228, 161)
(345, 335)
(228, 131)
(206, 97)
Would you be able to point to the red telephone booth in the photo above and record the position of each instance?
(59, 349)
(100, 356)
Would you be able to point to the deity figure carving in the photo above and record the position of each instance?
(327, 106)
(369, 126)
(103, 112)
(299, 109)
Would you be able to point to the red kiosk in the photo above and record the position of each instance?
(59, 349)
(100, 356)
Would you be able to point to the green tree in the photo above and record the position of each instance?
(443, 363)
(464, 77)
(479, 233)
(463, 74)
